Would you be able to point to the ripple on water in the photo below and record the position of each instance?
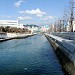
(30, 56)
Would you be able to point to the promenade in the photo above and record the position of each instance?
(64, 46)
(10, 36)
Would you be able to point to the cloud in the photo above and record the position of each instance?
(36, 12)
(5, 16)
(24, 18)
(18, 3)
(48, 18)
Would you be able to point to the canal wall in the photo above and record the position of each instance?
(65, 50)
(10, 36)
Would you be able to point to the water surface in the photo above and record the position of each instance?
(29, 56)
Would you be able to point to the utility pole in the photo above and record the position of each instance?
(71, 15)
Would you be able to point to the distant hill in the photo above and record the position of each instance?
(31, 25)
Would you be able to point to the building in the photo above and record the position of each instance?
(44, 28)
(20, 26)
(74, 27)
(32, 28)
(68, 28)
(11, 23)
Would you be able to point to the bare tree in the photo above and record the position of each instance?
(71, 14)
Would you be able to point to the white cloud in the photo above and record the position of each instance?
(48, 18)
(36, 12)
(5, 16)
(18, 3)
(24, 18)
(39, 15)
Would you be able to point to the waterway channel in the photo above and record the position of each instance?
(30, 56)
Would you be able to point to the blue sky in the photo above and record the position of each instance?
(40, 12)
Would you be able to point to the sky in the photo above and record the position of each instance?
(39, 12)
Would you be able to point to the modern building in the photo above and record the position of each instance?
(12, 23)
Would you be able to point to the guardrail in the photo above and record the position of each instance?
(66, 35)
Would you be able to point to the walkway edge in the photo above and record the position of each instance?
(21, 37)
(67, 65)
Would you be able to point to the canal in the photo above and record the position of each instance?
(29, 56)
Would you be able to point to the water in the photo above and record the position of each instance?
(29, 56)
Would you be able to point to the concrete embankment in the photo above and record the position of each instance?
(66, 35)
(10, 36)
(65, 52)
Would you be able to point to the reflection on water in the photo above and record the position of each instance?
(30, 56)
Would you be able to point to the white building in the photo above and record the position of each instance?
(68, 27)
(11, 23)
(20, 26)
(74, 27)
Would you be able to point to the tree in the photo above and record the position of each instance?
(71, 14)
